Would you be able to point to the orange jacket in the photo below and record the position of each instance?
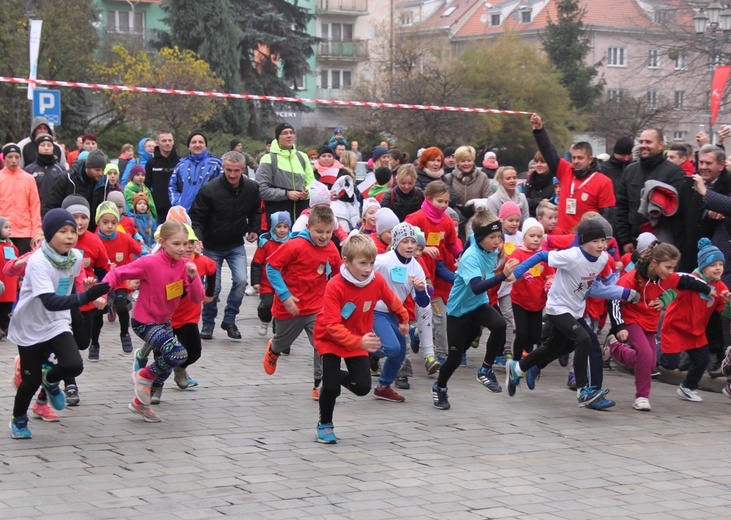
(19, 202)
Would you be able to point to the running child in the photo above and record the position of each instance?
(45, 299)
(469, 310)
(280, 224)
(164, 278)
(637, 323)
(299, 271)
(367, 224)
(344, 328)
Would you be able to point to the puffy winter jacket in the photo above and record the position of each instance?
(292, 172)
(190, 175)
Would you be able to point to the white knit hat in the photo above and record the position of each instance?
(367, 204)
(529, 223)
(319, 194)
(385, 220)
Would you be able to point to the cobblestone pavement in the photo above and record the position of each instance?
(242, 445)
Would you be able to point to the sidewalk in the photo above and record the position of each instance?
(242, 445)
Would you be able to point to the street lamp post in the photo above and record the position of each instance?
(713, 27)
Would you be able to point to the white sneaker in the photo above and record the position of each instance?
(250, 291)
(688, 394)
(642, 404)
(263, 328)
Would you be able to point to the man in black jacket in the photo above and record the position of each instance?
(224, 210)
(159, 169)
(81, 180)
(652, 166)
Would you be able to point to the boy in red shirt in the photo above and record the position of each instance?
(344, 327)
(121, 250)
(298, 272)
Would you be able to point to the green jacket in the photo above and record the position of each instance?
(279, 172)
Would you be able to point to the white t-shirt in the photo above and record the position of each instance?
(32, 323)
(574, 276)
(399, 277)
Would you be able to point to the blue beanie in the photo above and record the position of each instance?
(708, 254)
(279, 217)
(55, 220)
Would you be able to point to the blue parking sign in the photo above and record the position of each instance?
(47, 103)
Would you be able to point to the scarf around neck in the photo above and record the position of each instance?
(433, 213)
(56, 259)
(348, 277)
(434, 175)
(465, 178)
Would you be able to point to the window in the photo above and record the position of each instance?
(448, 11)
(679, 99)
(652, 99)
(653, 59)
(679, 135)
(615, 57)
(406, 18)
(342, 32)
(128, 22)
(299, 83)
(680, 60)
(495, 20)
(525, 16)
(336, 79)
(663, 16)
(614, 94)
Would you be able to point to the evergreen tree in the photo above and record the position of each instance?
(567, 43)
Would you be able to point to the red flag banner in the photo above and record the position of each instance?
(718, 85)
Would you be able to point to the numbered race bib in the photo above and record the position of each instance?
(509, 247)
(536, 270)
(8, 253)
(398, 274)
(433, 239)
(64, 286)
(347, 310)
(571, 206)
(174, 290)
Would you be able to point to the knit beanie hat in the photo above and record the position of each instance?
(178, 213)
(508, 209)
(192, 237)
(624, 145)
(106, 208)
(141, 196)
(400, 232)
(233, 144)
(383, 175)
(44, 138)
(117, 197)
(281, 127)
(76, 204)
(55, 220)
(531, 223)
(420, 240)
(708, 253)
(136, 170)
(452, 213)
(367, 204)
(3, 220)
(608, 231)
(319, 194)
(449, 150)
(96, 159)
(589, 230)
(279, 217)
(193, 134)
(378, 152)
(109, 167)
(644, 241)
(385, 220)
(325, 149)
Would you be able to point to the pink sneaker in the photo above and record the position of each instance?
(17, 376)
(43, 411)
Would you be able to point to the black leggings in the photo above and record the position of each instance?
(121, 306)
(699, 358)
(461, 330)
(528, 325)
(32, 359)
(264, 310)
(189, 336)
(5, 309)
(357, 379)
(87, 326)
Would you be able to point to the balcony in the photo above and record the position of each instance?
(349, 7)
(339, 94)
(354, 50)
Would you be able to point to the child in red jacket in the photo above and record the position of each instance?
(9, 294)
(298, 272)
(269, 242)
(344, 328)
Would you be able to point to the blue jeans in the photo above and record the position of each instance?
(236, 260)
(393, 345)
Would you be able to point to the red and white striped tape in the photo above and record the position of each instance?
(285, 99)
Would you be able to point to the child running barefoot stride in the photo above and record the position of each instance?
(41, 319)
(344, 328)
(164, 278)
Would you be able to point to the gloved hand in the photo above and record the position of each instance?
(634, 296)
(96, 291)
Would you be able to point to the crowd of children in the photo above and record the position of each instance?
(538, 295)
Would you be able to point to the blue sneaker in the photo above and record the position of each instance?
(571, 382)
(512, 379)
(439, 397)
(588, 395)
(487, 377)
(19, 427)
(602, 404)
(500, 361)
(441, 360)
(414, 340)
(326, 434)
(138, 362)
(56, 397)
(192, 382)
(531, 376)
(464, 360)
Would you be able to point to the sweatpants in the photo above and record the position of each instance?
(439, 325)
(642, 358)
(264, 309)
(357, 379)
(286, 331)
(463, 329)
(33, 357)
(426, 330)
(528, 326)
(699, 358)
(506, 309)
